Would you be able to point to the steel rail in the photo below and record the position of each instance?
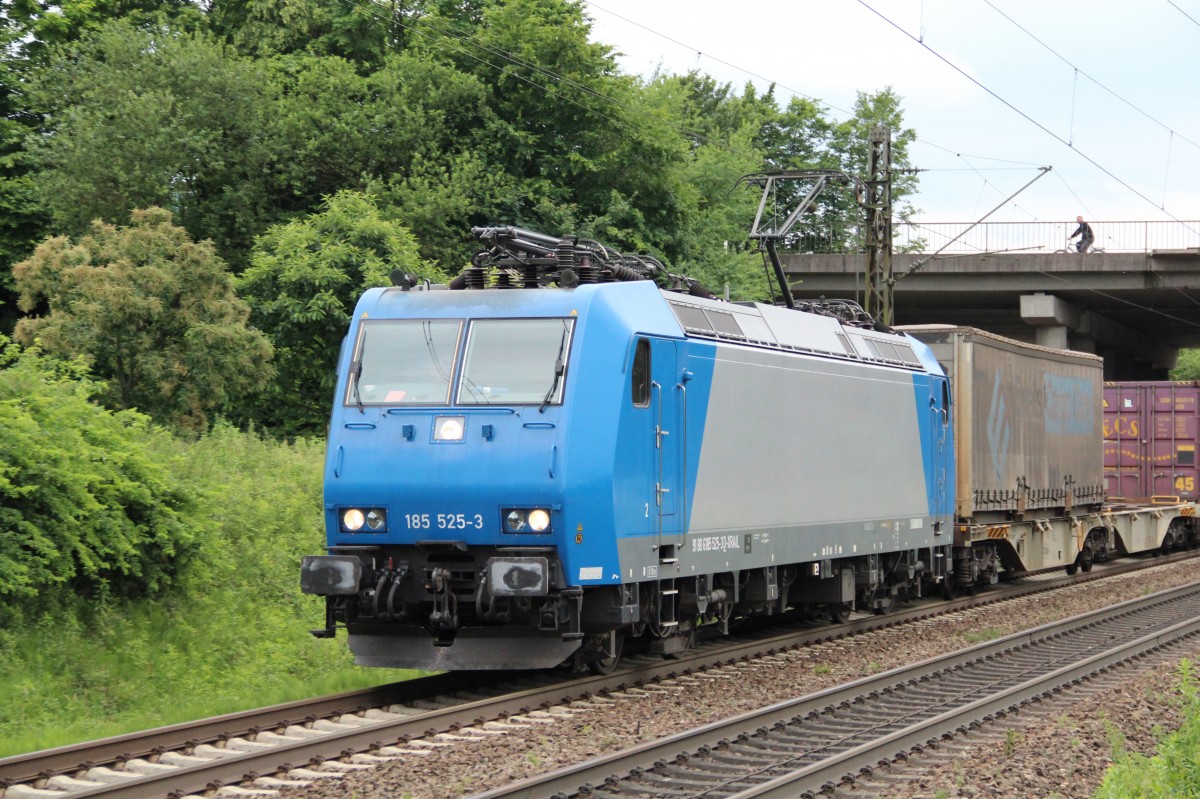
(815, 778)
(24, 767)
(571, 780)
(553, 689)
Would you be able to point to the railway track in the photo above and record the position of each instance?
(813, 744)
(297, 743)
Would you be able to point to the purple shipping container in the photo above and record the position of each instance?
(1150, 438)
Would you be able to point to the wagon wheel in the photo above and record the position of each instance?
(1168, 543)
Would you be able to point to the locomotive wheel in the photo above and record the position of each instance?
(690, 636)
(840, 614)
(1073, 567)
(1085, 560)
(606, 665)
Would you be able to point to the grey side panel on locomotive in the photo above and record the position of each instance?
(805, 458)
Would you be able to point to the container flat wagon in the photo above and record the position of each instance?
(1034, 463)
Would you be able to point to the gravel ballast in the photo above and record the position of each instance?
(1061, 749)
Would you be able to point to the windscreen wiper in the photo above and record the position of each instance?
(559, 367)
(355, 374)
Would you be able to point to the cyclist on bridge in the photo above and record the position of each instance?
(1084, 231)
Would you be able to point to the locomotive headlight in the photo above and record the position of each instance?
(364, 520)
(526, 520)
(449, 428)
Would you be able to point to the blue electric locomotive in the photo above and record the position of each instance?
(561, 459)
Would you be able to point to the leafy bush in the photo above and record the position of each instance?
(231, 634)
(1188, 366)
(82, 504)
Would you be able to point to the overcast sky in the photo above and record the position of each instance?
(1104, 92)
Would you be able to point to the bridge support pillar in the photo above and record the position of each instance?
(1064, 326)
(1053, 318)
(1054, 337)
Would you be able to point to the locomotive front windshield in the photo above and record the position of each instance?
(415, 362)
(404, 362)
(515, 361)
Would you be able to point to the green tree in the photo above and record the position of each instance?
(715, 248)
(362, 33)
(566, 131)
(82, 504)
(154, 315)
(442, 199)
(849, 144)
(1187, 367)
(150, 116)
(302, 284)
(22, 221)
(42, 25)
(415, 132)
(719, 133)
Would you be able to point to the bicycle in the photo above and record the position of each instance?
(1070, 247)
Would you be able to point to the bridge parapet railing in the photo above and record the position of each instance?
(1111, 236)
(1028, 237)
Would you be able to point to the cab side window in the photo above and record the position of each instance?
(640, 374)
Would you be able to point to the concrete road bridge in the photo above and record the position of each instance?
(1135, 300)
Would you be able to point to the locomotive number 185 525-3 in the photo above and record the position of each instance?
(443, 521)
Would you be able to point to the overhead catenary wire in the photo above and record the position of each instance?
(985, 184)
(373, 8)
(1022, 114)
(1181, 11)
(1078, 72)
(464, 40)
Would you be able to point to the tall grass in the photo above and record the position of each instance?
(232, 635)
(1175, 771)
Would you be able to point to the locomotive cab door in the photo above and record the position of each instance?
(665, 400)
(943, 453)
(655, 446)
(945, 449)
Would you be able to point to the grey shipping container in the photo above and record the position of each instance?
(1028, 424)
